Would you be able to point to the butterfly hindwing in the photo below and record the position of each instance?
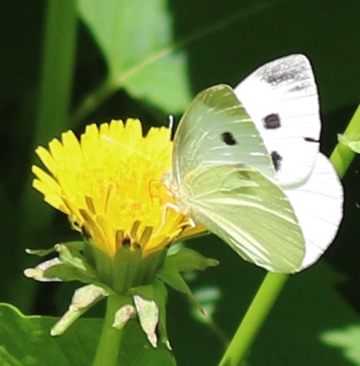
(249, 212)
(282, 99)
(318, 207)
(216, 130)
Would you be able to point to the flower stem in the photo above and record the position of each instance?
(273, 283)
(93, 100)
(254, 318)
(342, 156)
(57, 69)
(107, 352)
(56, 77)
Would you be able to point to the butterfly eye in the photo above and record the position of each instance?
(272, 121)
(228, 138)
(276, 158)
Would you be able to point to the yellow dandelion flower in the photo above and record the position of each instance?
(110, 184)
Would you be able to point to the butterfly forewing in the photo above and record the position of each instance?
(249, 212)
(216, 130)
(282, 99)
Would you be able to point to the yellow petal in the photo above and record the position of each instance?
(110, 184)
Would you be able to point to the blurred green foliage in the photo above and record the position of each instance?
(146, 59)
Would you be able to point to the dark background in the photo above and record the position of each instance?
(217, 42)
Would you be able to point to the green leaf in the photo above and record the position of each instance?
(207, 297)
(123, 315)
(70, 266)
(347, 339)
(40, 252)
(83, 299)
(160, 296)
(186, 260)
(352, 144)
(137, 351)
(136, 38)
(144, 51)
(174, 279)
(26, 341)
(147, 310)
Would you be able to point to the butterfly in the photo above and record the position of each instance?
(247, 166)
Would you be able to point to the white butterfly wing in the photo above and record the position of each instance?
(247, 211)
(318, 205)
(282, 99)
(216, 130)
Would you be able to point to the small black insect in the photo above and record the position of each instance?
(276, 158)
(126, 242)
(228, 138)
(272, 121)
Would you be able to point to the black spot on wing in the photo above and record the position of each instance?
(276, 159)
(272, 121)
(297, 88)
(276, 78)
(228, 138)
(310, 139)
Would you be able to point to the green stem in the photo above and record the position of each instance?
(107, 352)
(56, 69)
(94, 100)
(273, 283)
(342, 156)
(254, 318)
(56, 78)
